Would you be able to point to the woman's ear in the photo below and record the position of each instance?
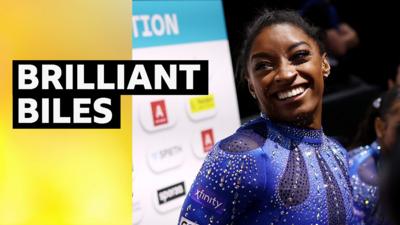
(326, 68)
(251, 87)
(390, 83)
(379, 128)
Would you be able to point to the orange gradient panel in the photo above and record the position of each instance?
(64, 176)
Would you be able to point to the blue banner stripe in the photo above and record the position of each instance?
(157, 23)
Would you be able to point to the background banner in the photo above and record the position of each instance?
(173, 134)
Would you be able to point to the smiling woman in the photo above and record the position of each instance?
(279, 168)
(284, 67)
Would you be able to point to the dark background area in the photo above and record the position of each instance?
(365, 71)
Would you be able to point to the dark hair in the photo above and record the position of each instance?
(380, 107)
(389, 185)
(387, 101)
(268, 18)
(394, 63)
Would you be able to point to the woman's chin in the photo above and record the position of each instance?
(301, 118)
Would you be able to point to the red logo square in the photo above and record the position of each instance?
(207, 138)
(159, 112)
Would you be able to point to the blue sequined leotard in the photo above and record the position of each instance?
(270, 173)
(363, 163)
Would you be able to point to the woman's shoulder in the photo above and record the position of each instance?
(361, 157)
(250, 136)
(359, 151)
(338, 148)
(239, 156)
(232, 177)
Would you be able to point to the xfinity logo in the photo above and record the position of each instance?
(208, 199)
(172, 192)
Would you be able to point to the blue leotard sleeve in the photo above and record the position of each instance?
(229, 182)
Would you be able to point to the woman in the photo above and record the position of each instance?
(390, 183)
(279, 168)
(366, 162)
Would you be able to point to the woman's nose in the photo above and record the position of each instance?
(286, 73)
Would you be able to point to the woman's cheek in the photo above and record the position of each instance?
(389, 138)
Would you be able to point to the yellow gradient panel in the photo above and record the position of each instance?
(64, 176)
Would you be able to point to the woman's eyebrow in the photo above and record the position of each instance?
(395, 110)
(295, 45)
(260, 55)
(267, 55)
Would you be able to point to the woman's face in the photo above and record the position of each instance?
(286, 73)
(387, 136)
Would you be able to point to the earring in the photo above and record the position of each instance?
(326, 74)
(254, 95)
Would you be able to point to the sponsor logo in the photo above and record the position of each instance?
(166, 153)
(166, 158)
(159, 112)
(155, 114)
(203, 142)
(207, 139)
(170, 193)
(202, 103)
(208, 199)
(186, 221)
(201, 107)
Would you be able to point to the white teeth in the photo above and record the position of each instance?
(290, 93)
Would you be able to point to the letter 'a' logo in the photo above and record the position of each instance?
(159, 112)
(207, 138)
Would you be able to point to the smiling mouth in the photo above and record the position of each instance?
(291, 93)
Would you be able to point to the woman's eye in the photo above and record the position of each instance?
(263, 66)
(300, 57)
